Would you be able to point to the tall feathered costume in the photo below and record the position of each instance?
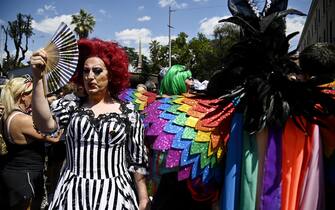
(276, 162)
(259, 129)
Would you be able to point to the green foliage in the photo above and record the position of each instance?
(19, 30)
(164, 52)
(159, 55)
(84, 23)
(204, 61)
(155, 57)
(146, 70)
(181, 53)
(202, 55)
(132, 55)
(224, 37)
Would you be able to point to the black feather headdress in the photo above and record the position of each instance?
(259, 69)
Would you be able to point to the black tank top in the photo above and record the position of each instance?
(25, 156)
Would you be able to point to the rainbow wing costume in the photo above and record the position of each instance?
(187, 133)
(269, 128)
(199, 137)
(190, 132)
(139, 99)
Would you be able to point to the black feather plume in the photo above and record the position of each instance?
(260, 68)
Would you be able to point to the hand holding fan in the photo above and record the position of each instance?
(62, 51)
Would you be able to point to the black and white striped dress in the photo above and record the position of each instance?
(100, 153)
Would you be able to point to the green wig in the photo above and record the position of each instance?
(173, 82)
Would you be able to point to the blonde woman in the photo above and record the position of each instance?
(22, 175)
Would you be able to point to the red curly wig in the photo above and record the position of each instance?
(114, 57)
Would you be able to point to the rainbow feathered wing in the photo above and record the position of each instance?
(187, 133)
(139, 99)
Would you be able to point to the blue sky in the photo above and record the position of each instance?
(127, 21)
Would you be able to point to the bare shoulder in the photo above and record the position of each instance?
(18, 124)
(21, 122)
(22, 119)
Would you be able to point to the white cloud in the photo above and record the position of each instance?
(140, 8)
(130, 37)
(28, 55)
(200, 0)
(163, 40)
(182, 5)
(50, 25)
(2, 56)
(131, 68)
(126, 42)
(164, 3)
(293, 24)
(172, 3)
(144, 18)
(102, 11)
(145, 51)
(47, 8)
(105, 13)
(40, 11)
(133, 35)
(207, 26)
(2, 22)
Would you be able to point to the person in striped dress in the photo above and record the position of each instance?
(106, 159)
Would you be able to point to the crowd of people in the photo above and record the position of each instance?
(102, 137)
(84, 148)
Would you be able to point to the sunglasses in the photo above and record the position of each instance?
(28, 80)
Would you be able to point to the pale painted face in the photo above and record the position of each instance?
(189, 82)
(95, 76)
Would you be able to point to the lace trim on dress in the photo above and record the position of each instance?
(105, 117)
(138, 169)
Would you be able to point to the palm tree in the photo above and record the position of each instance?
(84, 23)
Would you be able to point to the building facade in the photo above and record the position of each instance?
(319, 25)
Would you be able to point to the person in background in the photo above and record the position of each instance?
(72, 91)
(161, 74)
(52, 97)
(151, 86)
(22, 174)
(176, 81)
(141, 88)
(317, 62)
(3, 157)
(3, 146)
(104, 136)
(171, 193)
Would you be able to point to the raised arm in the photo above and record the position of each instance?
(42, 116)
